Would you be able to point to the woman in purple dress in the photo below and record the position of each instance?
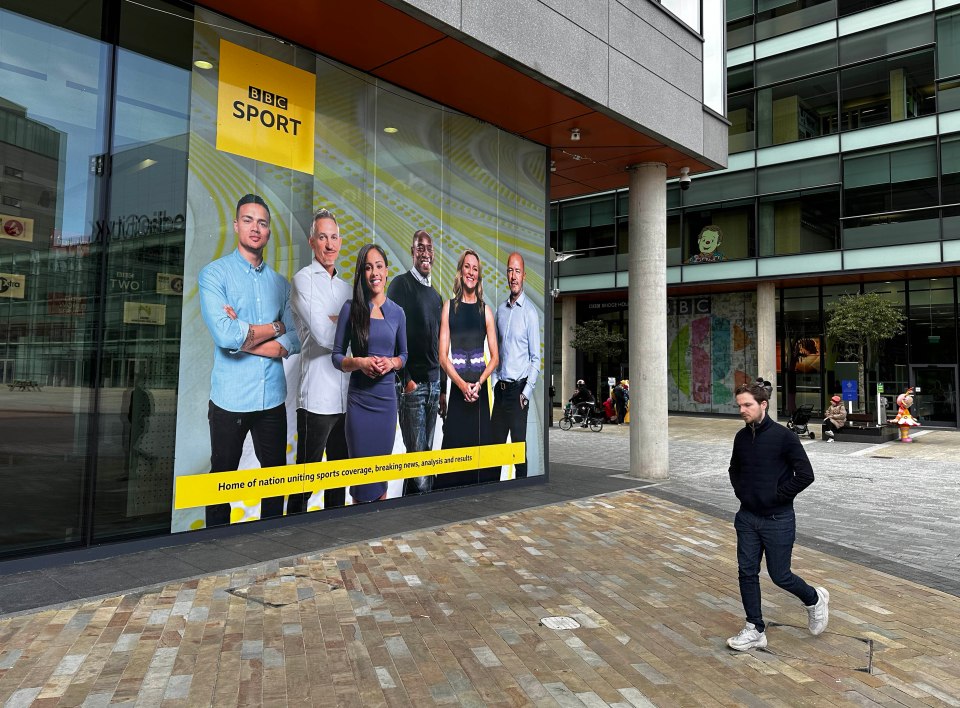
(466, 323)
(375, 330)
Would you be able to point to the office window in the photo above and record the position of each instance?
(720, 232)
(739, 32)
(797, 175)
(800, 222)
(948, 60)
(887, 91)
(783, 67)
(849, 7)
(797, 111)
(674, 239)
(887, 39)
(732, 185)
(742, 135)
(888, 197)
(776, 17)
(950, 186)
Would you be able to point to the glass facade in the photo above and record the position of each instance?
(845, 153)
(114, 193)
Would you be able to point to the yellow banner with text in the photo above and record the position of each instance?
(222, 487)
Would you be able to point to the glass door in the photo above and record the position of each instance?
(936, 398)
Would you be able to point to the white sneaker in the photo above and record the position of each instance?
(830, 440)
(818, 615)
(829, 433)
(749, 638)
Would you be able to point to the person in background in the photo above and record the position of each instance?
(583, 399)
(835, 417)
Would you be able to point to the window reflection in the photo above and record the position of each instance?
(52, 120)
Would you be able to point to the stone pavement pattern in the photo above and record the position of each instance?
(450, 616)
(889, 504)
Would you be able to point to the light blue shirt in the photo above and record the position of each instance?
(518, 338)
(242, 382)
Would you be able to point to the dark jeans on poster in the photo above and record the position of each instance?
(228, 430)
(772, 536)
(509, 417)
(318, 433)
(418, 411)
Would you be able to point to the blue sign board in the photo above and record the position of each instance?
(849, 388)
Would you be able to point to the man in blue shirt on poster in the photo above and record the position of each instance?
(518, 338)
(246, 306)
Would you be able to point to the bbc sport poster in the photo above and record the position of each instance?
(303, 133)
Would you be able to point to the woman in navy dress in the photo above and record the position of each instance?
(375, 330)
(466, 323)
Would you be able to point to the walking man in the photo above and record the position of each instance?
(518, 340)
(768, 469)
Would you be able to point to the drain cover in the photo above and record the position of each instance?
(559, 623)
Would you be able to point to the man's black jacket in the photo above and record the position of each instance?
(768, 468)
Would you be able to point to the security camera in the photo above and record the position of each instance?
(575, 134)
(685, 180)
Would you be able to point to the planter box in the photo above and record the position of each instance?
(871, 434)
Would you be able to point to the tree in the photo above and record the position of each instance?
(593, 338)
(862, 322)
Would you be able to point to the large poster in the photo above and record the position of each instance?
(365, 326)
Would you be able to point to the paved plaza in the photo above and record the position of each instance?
(445, 605)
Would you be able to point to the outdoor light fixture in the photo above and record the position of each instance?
(575, 134)
(553, 165)
(203, 64)
(390, 129)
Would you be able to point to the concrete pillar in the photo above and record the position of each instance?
(647, 298)
(767, 340)
(568, 356)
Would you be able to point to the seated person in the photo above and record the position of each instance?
(583, 399)
(835, 417)
(609, 410)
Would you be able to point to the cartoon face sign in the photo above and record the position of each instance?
(709, 239)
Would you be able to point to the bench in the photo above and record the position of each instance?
(24, 385)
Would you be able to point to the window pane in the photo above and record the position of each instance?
(797, 111)
(148, 206)
(804, 222)
(739, 8)
(887, 91)
(948, 44)
(783, 67)
(886, 40)
(776, 17)
(740, 115)
(718, 234)
(714, 189)
(796, 175)
(950, 165)
(886, 181)
(849, 7)
(52, 122)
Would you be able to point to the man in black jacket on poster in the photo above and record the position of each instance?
(768, 468)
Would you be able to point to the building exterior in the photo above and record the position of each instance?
(842, 178)
(120, 180)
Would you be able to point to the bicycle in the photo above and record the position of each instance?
(571, 416)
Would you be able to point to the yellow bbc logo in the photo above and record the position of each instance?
(265, 109)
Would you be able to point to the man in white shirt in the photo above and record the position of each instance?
(317, 296)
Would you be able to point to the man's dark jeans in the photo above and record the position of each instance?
(228, 430)
(509, 417)
(772, 536)
(318, 433)
(418, 422)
